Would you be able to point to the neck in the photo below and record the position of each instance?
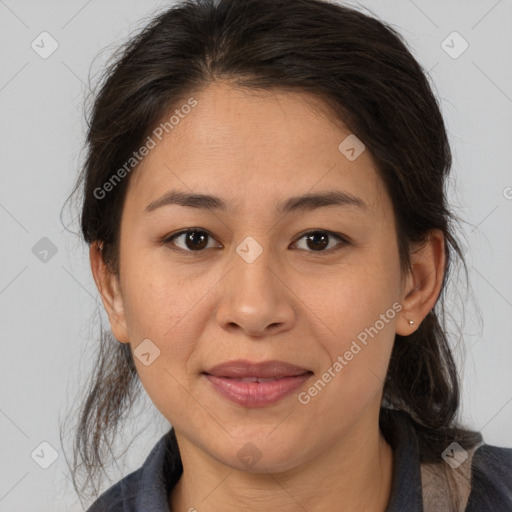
(355, 475)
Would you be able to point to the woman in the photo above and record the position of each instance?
(264, 204)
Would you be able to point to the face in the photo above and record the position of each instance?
(316, 285)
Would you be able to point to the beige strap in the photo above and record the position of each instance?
(439, 479)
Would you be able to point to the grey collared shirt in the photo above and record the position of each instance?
(490, 474)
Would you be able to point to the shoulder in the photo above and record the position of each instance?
(146, 489)
(120, 497)
(478, 479)
(491, 479)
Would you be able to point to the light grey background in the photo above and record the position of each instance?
(48, 333)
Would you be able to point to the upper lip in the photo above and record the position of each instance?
(241, 368)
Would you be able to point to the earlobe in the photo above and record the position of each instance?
(423, 284)
(108, 287)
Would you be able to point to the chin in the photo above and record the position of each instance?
(261, 454)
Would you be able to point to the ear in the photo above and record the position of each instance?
(108, 286)
(423, 284)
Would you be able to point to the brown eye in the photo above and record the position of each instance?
(197, 240)
(318, 241)
(192, 240)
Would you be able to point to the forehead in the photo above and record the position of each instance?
(254, 148)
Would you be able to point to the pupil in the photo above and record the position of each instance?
(313, 237)
(201, 237)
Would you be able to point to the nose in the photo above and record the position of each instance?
(255, 297)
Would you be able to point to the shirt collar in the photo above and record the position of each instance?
(406, 491)
(163, 468)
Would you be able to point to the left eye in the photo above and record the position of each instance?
(319, 240)
(196, 240)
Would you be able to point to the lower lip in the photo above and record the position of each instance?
(256, 394)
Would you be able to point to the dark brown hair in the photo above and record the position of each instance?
(368, 79)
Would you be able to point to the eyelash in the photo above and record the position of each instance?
(167, 240)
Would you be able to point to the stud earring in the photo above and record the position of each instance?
(411, 322)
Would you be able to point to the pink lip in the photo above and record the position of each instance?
(226, 379)
(256, 394)
(240, 368)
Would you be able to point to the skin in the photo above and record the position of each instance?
(292, 303)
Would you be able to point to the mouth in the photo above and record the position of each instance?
(256, 384)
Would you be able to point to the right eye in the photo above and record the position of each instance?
(193, 240)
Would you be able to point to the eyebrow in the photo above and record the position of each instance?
(305, 202)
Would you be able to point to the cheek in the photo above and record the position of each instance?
(357, 310)
(352, 298)
(358, 345)
(157, 307)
